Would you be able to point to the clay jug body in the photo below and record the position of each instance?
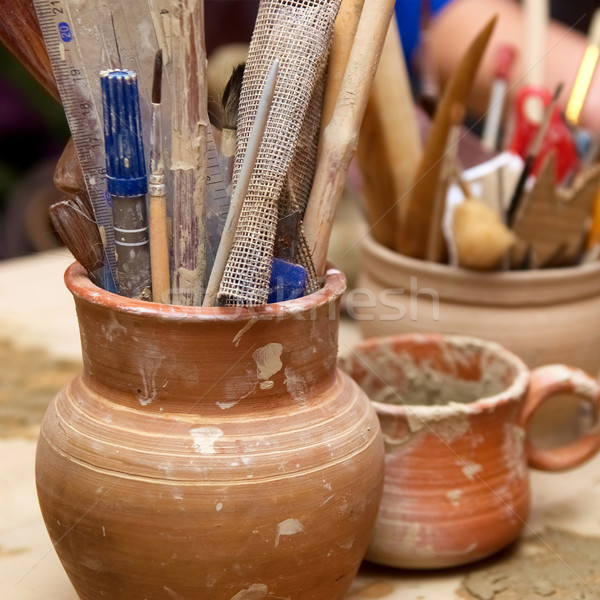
(209, 453)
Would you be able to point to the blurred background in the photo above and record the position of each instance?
(33, 129)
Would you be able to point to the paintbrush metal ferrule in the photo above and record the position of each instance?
(156, 179)
(127, 181)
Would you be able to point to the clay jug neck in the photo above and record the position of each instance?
(174, 358)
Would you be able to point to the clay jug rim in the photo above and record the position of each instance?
(531, 276)
(513, 393)
(79, 284)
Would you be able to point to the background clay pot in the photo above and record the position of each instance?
(544, 316)
(455, 413)
(209, 453)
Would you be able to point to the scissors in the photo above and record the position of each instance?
(557, 139)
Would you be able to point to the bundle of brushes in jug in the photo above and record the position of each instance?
(527, 207)
(242, 215)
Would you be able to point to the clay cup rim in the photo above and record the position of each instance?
(514, 392)
(79, 284)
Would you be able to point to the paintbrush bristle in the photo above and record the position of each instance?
(231, 97)
(78, 230)
(157, 78)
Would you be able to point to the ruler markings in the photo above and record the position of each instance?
(59, 30)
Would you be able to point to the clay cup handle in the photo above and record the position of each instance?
(545, 383)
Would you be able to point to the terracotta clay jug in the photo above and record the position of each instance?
(212, 454)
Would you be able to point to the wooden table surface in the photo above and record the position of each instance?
(36, 311)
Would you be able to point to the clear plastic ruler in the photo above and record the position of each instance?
(85, 37)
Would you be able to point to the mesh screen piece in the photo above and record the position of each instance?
(298, 33)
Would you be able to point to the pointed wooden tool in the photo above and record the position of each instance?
(414, 229)
(551, 219)
(389, 147)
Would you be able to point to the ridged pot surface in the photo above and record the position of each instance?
(544, 316)
(455, 413)
(209, 453)
(456, 477)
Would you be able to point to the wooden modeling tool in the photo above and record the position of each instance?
(593, 240)
(74, 223)
(159, 246)
(389, 146)
(532, 156)
(340, 137)
(241, 187)
(436, 250)
(419, 205)
(189, 123)
(550, 218)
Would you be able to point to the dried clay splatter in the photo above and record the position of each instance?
(204, 439)
(558, 565)
(268, 362)
(422, 384)
(288, 527)
(257, 591)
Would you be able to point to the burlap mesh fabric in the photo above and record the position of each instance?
(296, 192)
(298, 33)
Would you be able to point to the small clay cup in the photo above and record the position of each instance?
(209, 454)
(455, 413)
(544, 316)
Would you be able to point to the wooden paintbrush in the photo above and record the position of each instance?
(230, 104)
(159, 248)
(75, 225)
(340, 137)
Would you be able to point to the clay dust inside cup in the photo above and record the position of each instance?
(427, 371)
